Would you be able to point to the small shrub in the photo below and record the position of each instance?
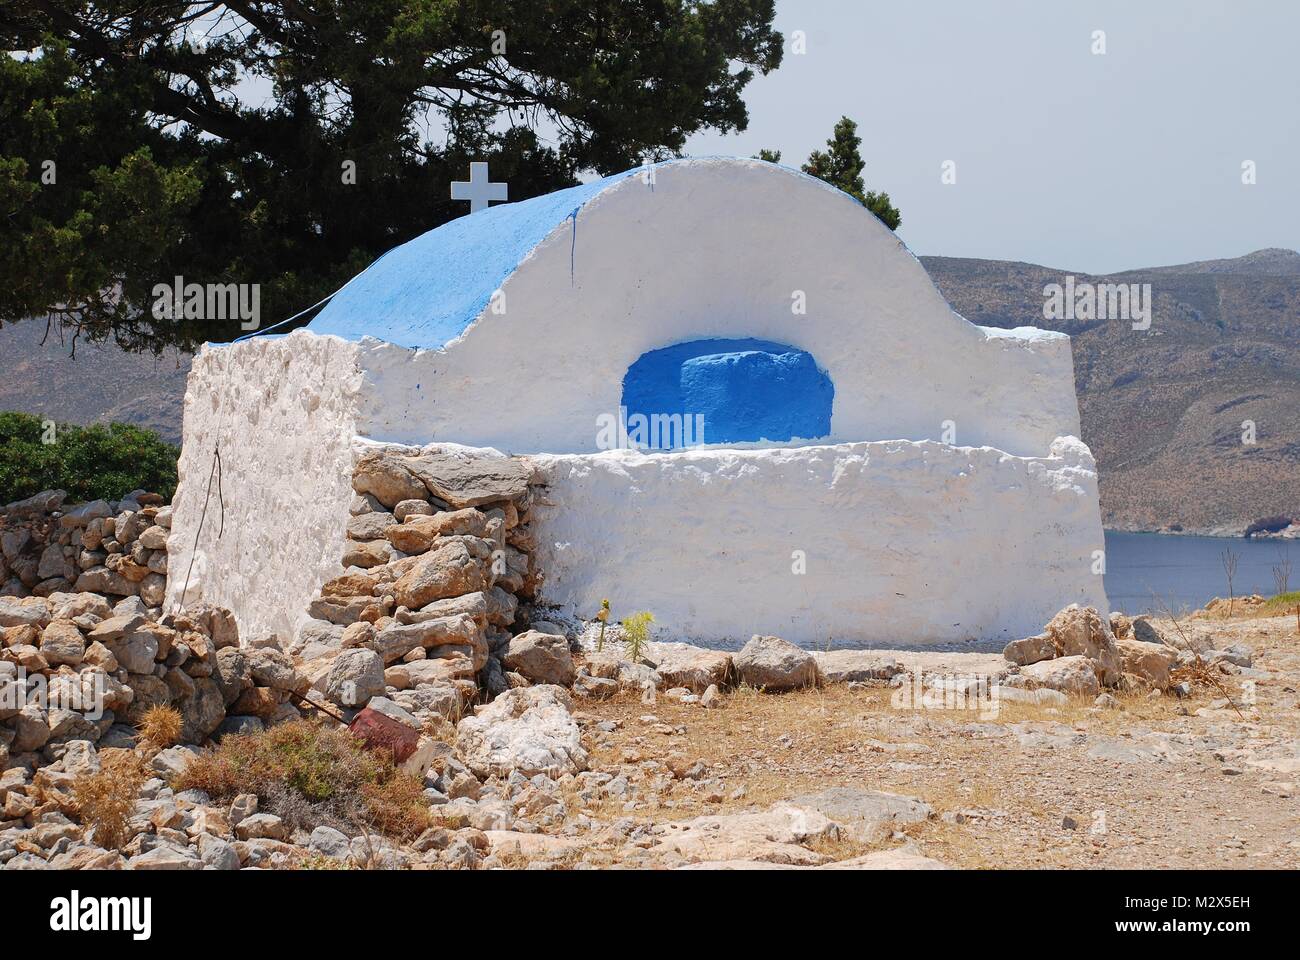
(160, 726)
(96, 462)
(307, 774)
(106, 800)
(603, 617)
(636, 634)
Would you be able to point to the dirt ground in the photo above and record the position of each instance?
(1164, 782)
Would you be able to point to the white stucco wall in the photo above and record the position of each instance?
(905, 543)
(284, 412)
(717, 249)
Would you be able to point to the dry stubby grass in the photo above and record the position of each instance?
(307, 773)
(160, 726)
(106, 800)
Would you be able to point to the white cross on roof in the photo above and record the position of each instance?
(478, 190)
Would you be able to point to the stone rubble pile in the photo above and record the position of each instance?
(74, 667)
(1081, 652)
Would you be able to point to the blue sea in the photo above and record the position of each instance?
(1184, 573)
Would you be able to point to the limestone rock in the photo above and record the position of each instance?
(218, 623)
(70, 606)
(164, 857)
(771, 663)
(448, 570)
(262, 825)
(419, 533)
(370, 526)
(1030, 650)
(355, 677)
(468, 479)
(1073, 674)
(528, 730)
(115, 627)
(541, 657)
(136, 651)
(869, 815)
(153, 589)
(104, 580)
(501, 607)
(397, 640)
(351, 584)
(329, 842)
(53, 564)
(154, 538)
(1150, 662)
(62, 642)
(775, 836)
(234, 674)
(856, 666)
(47, 501)
(439, 670)
(682, 665)
(596, 688)
(84, 514)
(1081, 631)
(27, 610)
(172, 762)
(271, 668)
(367, 554)
(386, 478)
(474, 605)
(216, 853)
(411, 508)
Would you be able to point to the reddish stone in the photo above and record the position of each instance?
(378, 732)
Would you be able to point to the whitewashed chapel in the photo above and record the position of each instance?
(835, 456)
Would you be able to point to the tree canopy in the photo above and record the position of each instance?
(287, 143)
(841, 166)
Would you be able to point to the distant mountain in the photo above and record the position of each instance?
(101, 384)
(1162, 409)
(1272, 262)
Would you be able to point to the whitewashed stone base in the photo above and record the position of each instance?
(905, 543)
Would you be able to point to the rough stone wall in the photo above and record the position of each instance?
(903, 543)
(80, 667)
(116, 548)
(436, 567)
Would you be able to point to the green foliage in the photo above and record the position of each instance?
(96, 462)
(309, 773)
(212, 142)
(841, 166)
(771, 156)
(636, 634)
(1280, 604)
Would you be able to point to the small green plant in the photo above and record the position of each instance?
(636, 634)
(603, 617)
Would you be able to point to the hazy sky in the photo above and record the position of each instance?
(1063, 157)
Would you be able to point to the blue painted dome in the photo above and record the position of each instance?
(427, 291)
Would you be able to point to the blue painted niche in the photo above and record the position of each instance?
(746, 390)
